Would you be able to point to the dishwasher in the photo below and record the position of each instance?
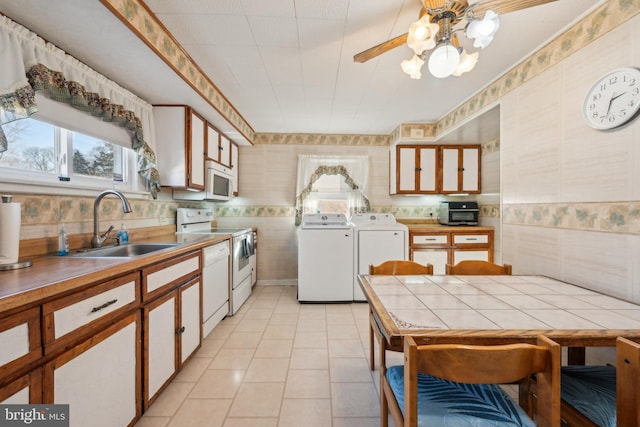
(215, 285)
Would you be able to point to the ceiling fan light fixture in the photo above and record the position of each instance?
(482, 31)
(413, 67)
(467, 62)
(444, 60)
(421, 35)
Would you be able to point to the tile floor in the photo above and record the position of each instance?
(277, 363)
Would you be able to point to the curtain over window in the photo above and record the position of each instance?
(31, 64)
(354, 170)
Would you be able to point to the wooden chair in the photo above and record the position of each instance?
(400, 267)
(392, 267)
(462, 381)
(483, 268)
(603, 395)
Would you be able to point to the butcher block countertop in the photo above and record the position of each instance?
(423, 225)
(53, 276)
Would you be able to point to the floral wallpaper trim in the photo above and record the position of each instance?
(320, 139)
(290, 211)
(137, 16)
(621, 217)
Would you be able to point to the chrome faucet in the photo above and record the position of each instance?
(98, 240)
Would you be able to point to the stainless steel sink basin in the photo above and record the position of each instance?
(125, 251)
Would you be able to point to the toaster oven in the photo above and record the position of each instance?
(458, 213)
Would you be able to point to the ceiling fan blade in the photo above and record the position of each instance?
(505, 6)
(380, 49)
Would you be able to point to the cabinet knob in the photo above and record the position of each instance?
(180, 331)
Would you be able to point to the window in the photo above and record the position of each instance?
(39, 153)
(330, 194)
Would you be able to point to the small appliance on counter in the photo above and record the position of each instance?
(458, 213)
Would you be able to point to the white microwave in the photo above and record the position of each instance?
(218, 183)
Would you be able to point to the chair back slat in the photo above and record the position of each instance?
(484, 268)
(400, 267)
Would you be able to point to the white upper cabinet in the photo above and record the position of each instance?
(180, 138)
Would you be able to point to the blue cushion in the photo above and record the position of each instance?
(591, 390)
(451, 404)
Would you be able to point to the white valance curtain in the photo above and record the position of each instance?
(355, 170)
(29, 64)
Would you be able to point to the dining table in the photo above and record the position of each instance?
(486, 310)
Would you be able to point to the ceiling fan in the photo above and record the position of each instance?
(436, 30)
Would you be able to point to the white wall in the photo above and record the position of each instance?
(570, 193)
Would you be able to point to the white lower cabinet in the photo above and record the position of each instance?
(436, 257)
(99, 377)
(24, 390)
(172, 333)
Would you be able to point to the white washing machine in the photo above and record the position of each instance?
(325, 258)
(378, 238)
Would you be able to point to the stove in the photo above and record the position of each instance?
(198, 221)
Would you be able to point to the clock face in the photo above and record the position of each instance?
(613, 100)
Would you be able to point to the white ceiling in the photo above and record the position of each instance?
(287, 65)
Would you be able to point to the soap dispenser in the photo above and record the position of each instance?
(63, 242)
(123, 235)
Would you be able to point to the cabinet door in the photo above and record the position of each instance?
(461, 169)
(213, 143)
(20, 342)
(417, 171)
(196, 152)
(25, 390)
(99, 378)
(235, 169)
(225, 151)
(189, 332)
(470, 254)
(437, 257)
(160, 329)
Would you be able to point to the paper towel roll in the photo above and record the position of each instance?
(9, 232)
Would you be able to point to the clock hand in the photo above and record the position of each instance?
(613, 96)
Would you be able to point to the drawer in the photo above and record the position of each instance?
(19, 341)
(470, 239)
(165, 275)
(71, 316)
(430, 239)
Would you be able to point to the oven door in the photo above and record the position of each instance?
(242, 251)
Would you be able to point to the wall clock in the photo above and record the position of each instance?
(613, 100)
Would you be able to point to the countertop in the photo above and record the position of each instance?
(421, 225)
(53, 276)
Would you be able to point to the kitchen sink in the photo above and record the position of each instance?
(124, 251)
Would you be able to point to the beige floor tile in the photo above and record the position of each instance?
(148, 421)
(274, 348)
(168, 402)
(340, 318)
(257, 400)
(343, 332)
(346, 348)
(243, 340)
(251, 422)
(311, 325)
(250, 325)
(359, 422)
(267, 370)
(232, 358)
(312, 312)
(283, 318)
(354, 400)
(192, 371)
(222, 331)
(279, 331)
(210, 347)
(350, 369)
(289, 307)
(310, 340)
(217, 384)
(305, 413)
(309, 358)
(265, 304)
(258, 313)
(201, 413)
(305, 383)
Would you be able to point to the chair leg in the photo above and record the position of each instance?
(384, 408)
